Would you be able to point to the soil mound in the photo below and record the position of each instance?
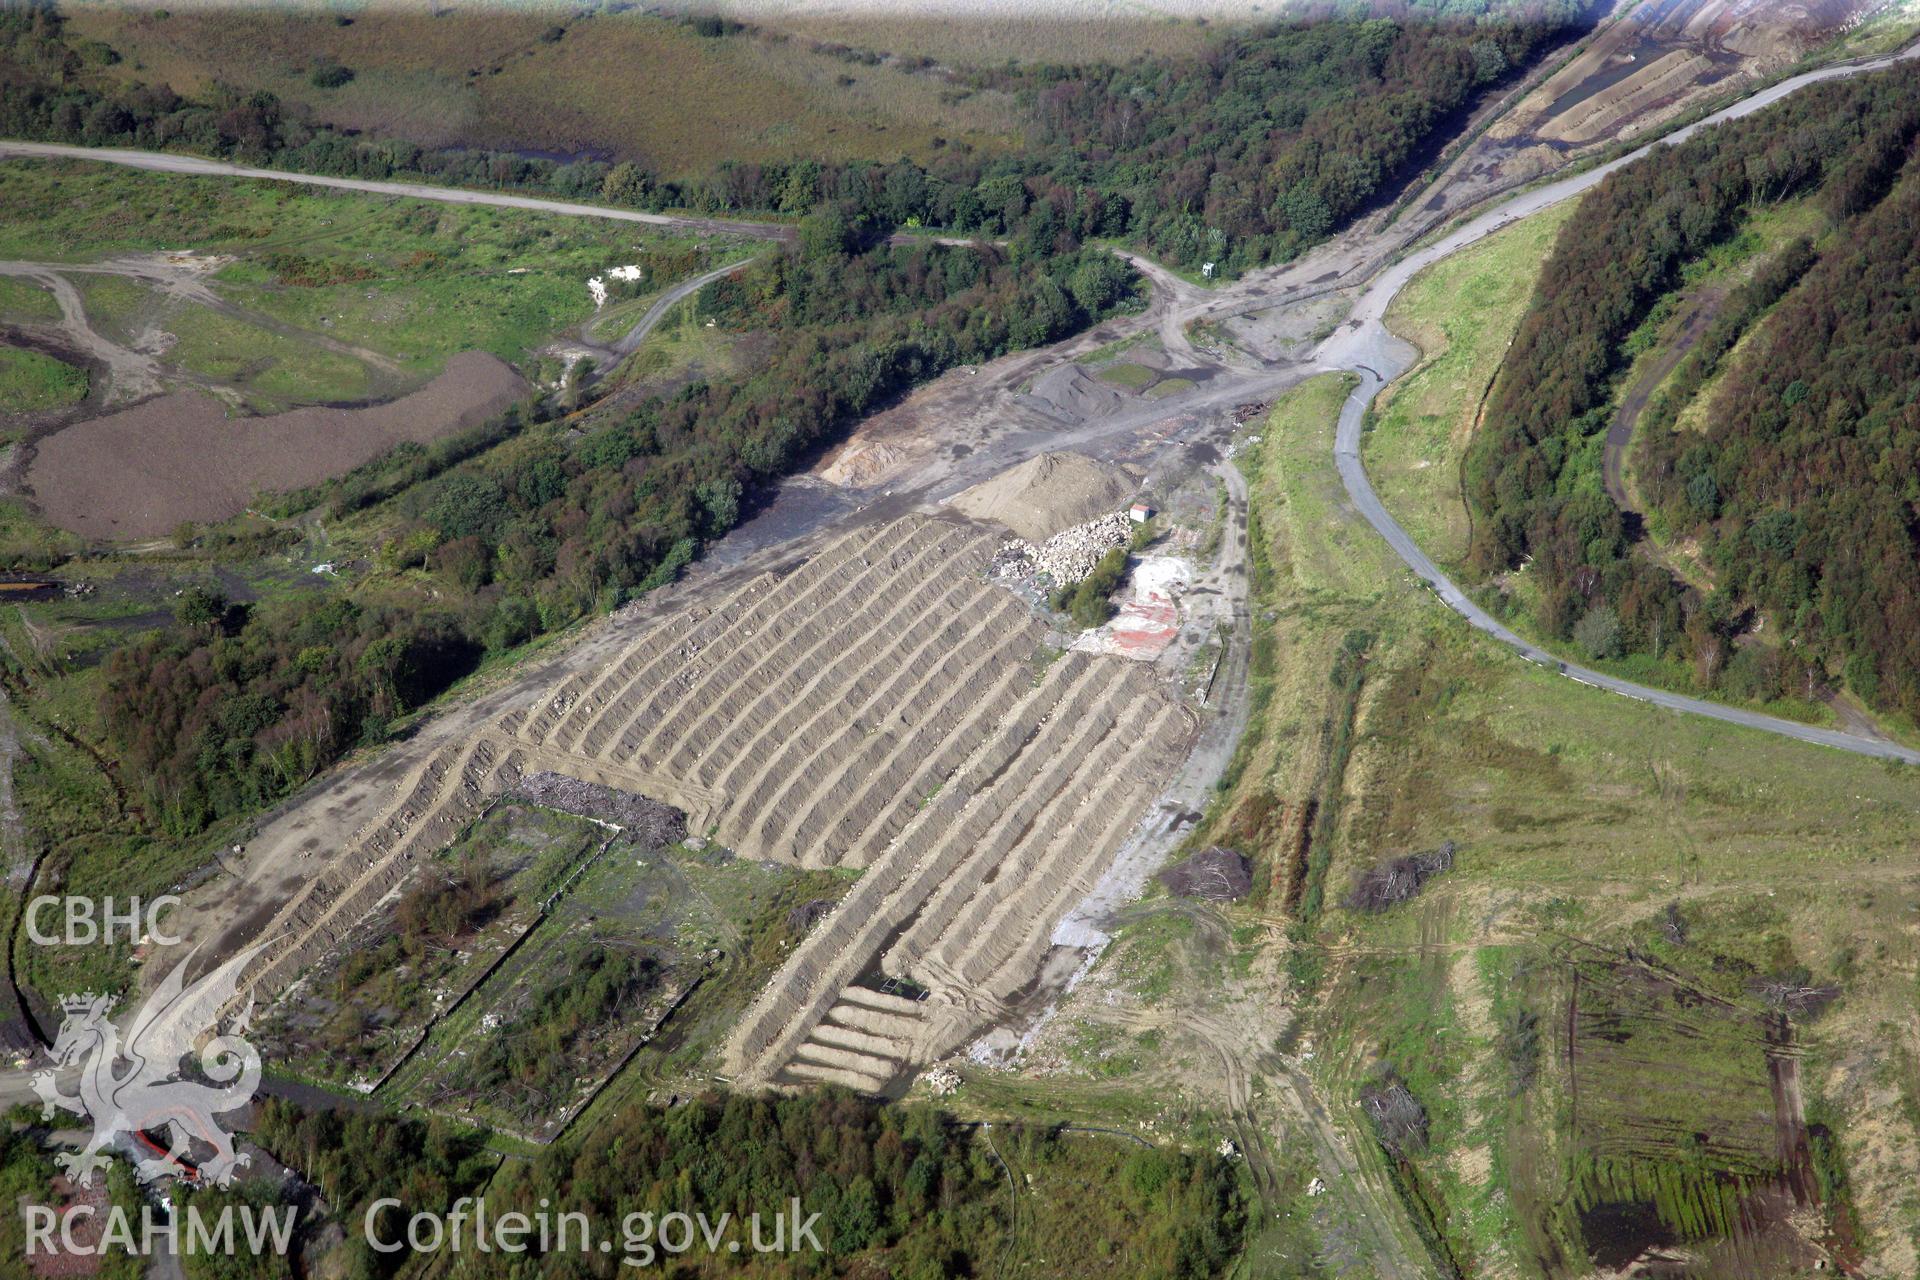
(1399, 880)
(1048, 495)
(648, 822)
(1066, 392)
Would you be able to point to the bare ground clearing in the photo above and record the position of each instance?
(140, 472)
(1047, 494)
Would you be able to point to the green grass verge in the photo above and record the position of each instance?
(30, 382)
(277, 370)
(1134, 377)
(24, 300)
(1421, 424)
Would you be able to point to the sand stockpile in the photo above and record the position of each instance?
(1048, 495)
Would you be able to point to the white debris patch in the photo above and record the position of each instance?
(943, 1081)
(597, 285)
(569, 355)
(1067, 556)
(1161, 577)
(1146, 618)
(1013, 562)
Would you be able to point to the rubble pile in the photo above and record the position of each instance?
(943, 1081)
(647, 822)
(1067, 556)
(1013, 562)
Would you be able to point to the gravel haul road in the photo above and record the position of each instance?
(197, 166)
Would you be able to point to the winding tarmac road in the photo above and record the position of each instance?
(1363, 346)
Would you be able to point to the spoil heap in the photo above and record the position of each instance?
(874, 707)
(1048, 494)
(1066, 557)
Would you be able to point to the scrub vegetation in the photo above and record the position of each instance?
(905, 1188)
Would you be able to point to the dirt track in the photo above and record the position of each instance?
(1620, 431)
(129, 374)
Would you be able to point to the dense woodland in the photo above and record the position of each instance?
(1803, 488)
(1274, 141)
(1266, 145)
(1797, 486)
(901, 1190)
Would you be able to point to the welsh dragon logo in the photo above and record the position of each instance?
(129, 1080)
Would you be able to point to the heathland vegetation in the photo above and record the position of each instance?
(1263, 145)
(1791, 487)
(639, 85)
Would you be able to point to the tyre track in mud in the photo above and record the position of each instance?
(1368, 1211)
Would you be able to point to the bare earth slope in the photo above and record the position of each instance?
(876, 706)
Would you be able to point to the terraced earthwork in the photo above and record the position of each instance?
(883, 707)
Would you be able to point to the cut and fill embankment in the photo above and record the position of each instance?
(962, 902)
(140, 472)
(809, 715)
(874, 706)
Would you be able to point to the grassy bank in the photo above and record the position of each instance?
(30, 382)
(1458, 312)
(1579, 818)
